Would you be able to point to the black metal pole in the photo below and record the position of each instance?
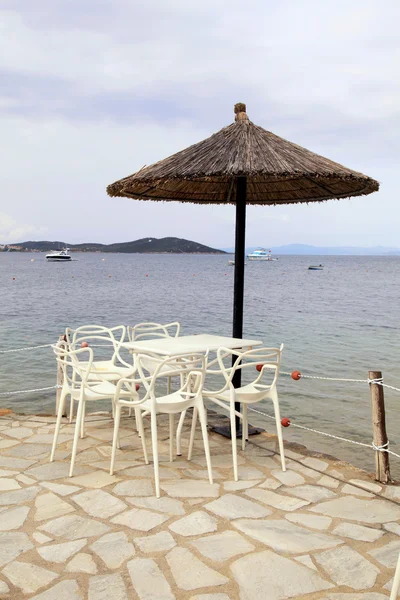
(238, 290)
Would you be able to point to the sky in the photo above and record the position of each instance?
(92, 90)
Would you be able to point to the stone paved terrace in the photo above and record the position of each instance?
(321, 531)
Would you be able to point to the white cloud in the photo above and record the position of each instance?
(12, 231)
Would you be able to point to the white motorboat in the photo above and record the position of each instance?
(61, 256)
(261, 254)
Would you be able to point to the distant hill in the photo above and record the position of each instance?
(307, 250)
(168, 245)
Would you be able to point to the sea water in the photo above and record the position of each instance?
(340, 322)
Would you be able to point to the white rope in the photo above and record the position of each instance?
(330, 435)
(326, 378)
(23, 349)
(53, 387)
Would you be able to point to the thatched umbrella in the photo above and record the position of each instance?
(243, 164)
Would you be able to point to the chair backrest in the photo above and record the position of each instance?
(148, 331)
(260, 362)
(191, 367)
(75, 364)
(98, 335)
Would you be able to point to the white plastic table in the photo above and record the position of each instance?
(186, 344)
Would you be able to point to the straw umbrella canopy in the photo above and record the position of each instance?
(243, 164)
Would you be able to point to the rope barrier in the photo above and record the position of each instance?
(27, 348)
(330, 435)
(52, 387)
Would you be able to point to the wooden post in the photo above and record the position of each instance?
(379, 428)
(60, 375)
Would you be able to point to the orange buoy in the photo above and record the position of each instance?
(259, 367)
(296, 375)
(285, 422)
(147, 274)
(84, 345)
(137, 387)
(13, 278)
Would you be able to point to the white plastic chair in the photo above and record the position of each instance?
(256, 391)
(149, 331)
(189, 395)
(79, 383)
(396, 582)
(103, 336)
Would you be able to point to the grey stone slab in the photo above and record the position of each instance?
(95, 479)
(12, 544)
(28, 450)
(50, 506)
(312, 493)
(392, 527)
(59, 553)
(356, 509)
(28, 577)
(47, 438)
(140, 519)
(190, 573)
(270, 484)
(82, 563)
(220, 461)
(54, 470)
(13, 518)
(4, 589)
(65, 590)
(19, 432)
(356, 491)
(247, 473)
(74, 527)
(159, 542)
(98, 503)
(190, 488)
(134, 487)
(210, 597)
(196, 523)
(19, 496)
(7, 473)
(25, 480)
(280, 501)
(313, 521)
(15, 463)
(329, 482)
(148, 580)
(363, 596)
(348, 567)
(284, 536)
(6, 484)
(147, 471)
(303, 470)
(315, 463)
(290, 478)
(234, 486)
(280, 577)
(222, 546)
(59, 488)
(169, 506)
(392, 492)
(368, 485)
(104, 587)
(113, 549)
(387, 555)
(358, 532)
(306, 560)
(229, 506)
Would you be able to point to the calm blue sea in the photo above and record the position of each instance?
(339, 322)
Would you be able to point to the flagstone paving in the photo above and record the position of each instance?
(323, 530)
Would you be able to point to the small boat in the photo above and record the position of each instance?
(61, 256)
(261, 254)
(315, 267)
(231, 263)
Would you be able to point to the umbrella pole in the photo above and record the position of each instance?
(238, 296)
(238, 288)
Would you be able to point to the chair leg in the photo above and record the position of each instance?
(396, 582)
(244, 425)
(192, 432)
(83, 421)
(139, 420)
(179, 433)
(203, 423)
(76, 436)
(233, 436)
(58, 423)
(117, 418)
(171, 437)
(168, 385)
(279, 430)
(71, 410)
(138, 416)
(154, 443)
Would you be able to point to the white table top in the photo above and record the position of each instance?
(189, 343)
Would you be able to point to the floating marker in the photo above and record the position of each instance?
(296, 375)
(285, 422)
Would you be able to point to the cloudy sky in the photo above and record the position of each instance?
(91, 90)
